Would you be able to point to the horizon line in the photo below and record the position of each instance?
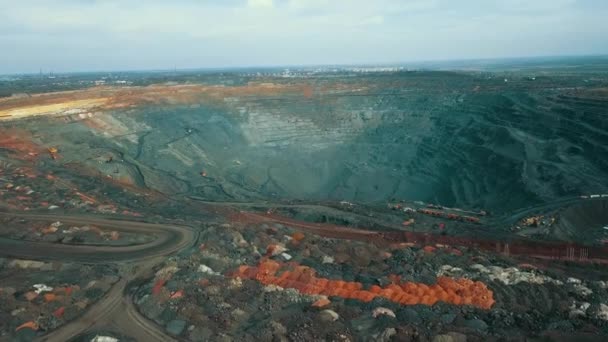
(302, 66)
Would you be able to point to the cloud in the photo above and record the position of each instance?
(81, 34)
(260, 3)
(373, 20)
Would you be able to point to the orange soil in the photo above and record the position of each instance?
(100, 98)
(19, 142)
(303, 278)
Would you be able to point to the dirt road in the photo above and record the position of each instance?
(115, 311)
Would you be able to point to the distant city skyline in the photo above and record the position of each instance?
(94, 35)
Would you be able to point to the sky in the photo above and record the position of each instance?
(94, 35)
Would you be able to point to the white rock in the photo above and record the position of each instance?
(448, 270)
(582, 290)
(236, 283)
(42, 288)
(331, 314)
(104, 339)
(478, 267)
(383, 311)
(272, 288)
(286, 256)
(327, 259)
(206, 269)
(573, 281)
(602, 312)
(507, 276)
(53, 207)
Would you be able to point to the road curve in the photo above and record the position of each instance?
(115, 311)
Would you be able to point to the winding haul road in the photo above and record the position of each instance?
(115, 311)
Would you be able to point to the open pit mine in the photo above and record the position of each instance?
(316, 206)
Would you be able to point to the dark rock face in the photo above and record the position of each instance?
(458, 139)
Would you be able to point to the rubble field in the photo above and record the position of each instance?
(40, 296)
(210, 292)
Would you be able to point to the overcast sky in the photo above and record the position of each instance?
(81, 35)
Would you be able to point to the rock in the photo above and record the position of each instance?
(213, 290)
(176, 326)
(602, 312)
(286, 256)
(278, 330)
(329, 315)
(167, 272)
(238, 314)
(99, 338)
(507, 276)
(410, 316)
(387, 335)
(238, 240)
(17, 311)
(457, 337)
(236, 283)
(168, 314)
(448, 318)
(201, 334)
(582, 290)
(443, 338)
(327, 259)
(380, 311)
(272, 288)
(476, 324)
(42, 288)
(323, 301)
(151, 308)
(341, 258)
(579, 309)
(275, 249)
(207, 270)
(602, 284)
